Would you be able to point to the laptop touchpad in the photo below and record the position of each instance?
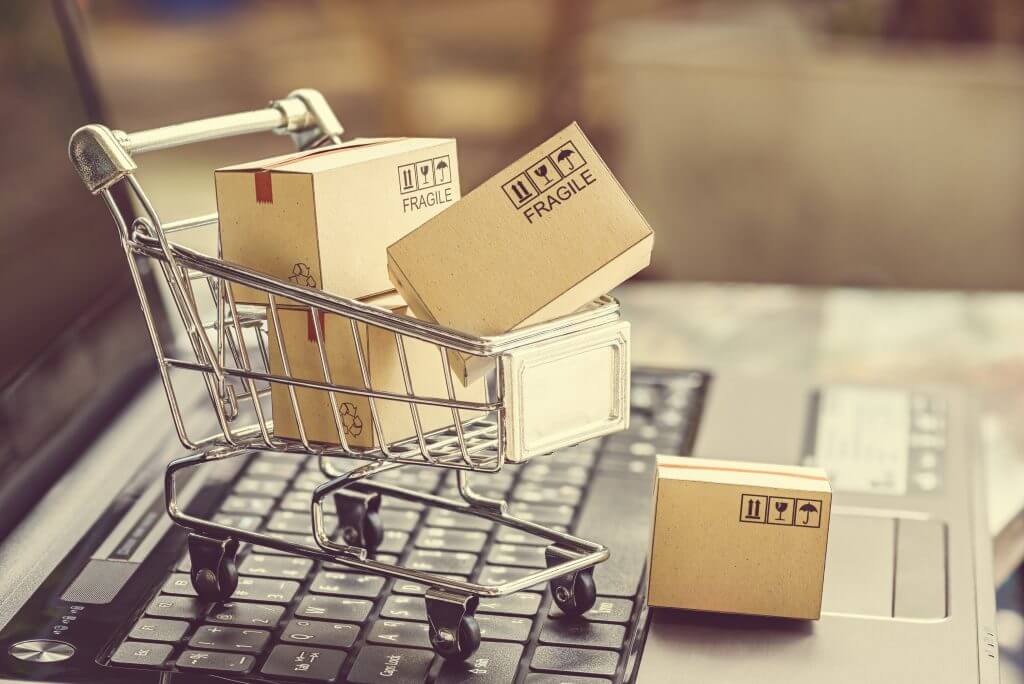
(885, 567)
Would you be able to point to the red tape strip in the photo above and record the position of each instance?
(311, 327)
(264, 187)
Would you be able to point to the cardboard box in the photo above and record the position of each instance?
(381, 353)
(539, 240)
(324, 218)
(734, 537)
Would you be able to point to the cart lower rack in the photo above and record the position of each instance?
(553, 385)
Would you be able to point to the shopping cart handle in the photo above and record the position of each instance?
(102, 156)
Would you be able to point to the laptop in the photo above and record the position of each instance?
(93, 576)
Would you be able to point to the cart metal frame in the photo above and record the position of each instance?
(230, 352)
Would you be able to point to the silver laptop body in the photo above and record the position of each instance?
(909, 593)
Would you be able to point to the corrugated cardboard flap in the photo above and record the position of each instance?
(767, 475)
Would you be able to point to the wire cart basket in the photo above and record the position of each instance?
(554, 384)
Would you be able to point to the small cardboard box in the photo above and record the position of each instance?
(323, 218)
(538, 240)
(734, 537)
(381, 354)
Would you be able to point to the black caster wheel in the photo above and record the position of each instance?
(469, 640)
(214, 572)
(373, 531)
(359, 521)
(575, 596)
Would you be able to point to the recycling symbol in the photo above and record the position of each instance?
(350, 420)
(301, 275)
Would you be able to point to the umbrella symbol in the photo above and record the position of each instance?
(807, 509)
(441, 166)
(564, 156)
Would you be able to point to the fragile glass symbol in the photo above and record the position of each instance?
(780, 507)
(542, 172)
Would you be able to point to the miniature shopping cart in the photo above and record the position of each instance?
(554, 385)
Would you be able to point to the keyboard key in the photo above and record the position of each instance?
(179, 584)
(417, 589)
(320, 633)
(545, 473)
(533, 492)
(403, 521)
(300, 502)
(246, 614)
(387, 663)
(493, 575)
(544, 514)
(220, 638)
(577, 632)
(522, 603)
(400, 633)
(300, 539)
(308, 481)
(493, 663)
(280, 567)
(249, 523)
(544, 678)
(333, 608)
(347, 584)
(419, 479)
(504, 628)
(521, 556)
(582, 455)
(304, 663)
(450, 539)
(263, 590)
(454, 562)
(575, 660)
(388, 558)
(250, 486)
(510, 535)
(394, 542)
(254, 505)
(185, 564)
(605, 609)
(208, 661)
(616, 527)
(181, 607)
(405, 608)
(273, 469)
(154, 629)
(291, 522)
(137, 653)
(438, 517)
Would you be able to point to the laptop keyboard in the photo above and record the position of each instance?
(295, 619)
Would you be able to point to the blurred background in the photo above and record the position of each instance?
(867, 143)
(852, 142)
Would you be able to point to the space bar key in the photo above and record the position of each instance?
(617, 513)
